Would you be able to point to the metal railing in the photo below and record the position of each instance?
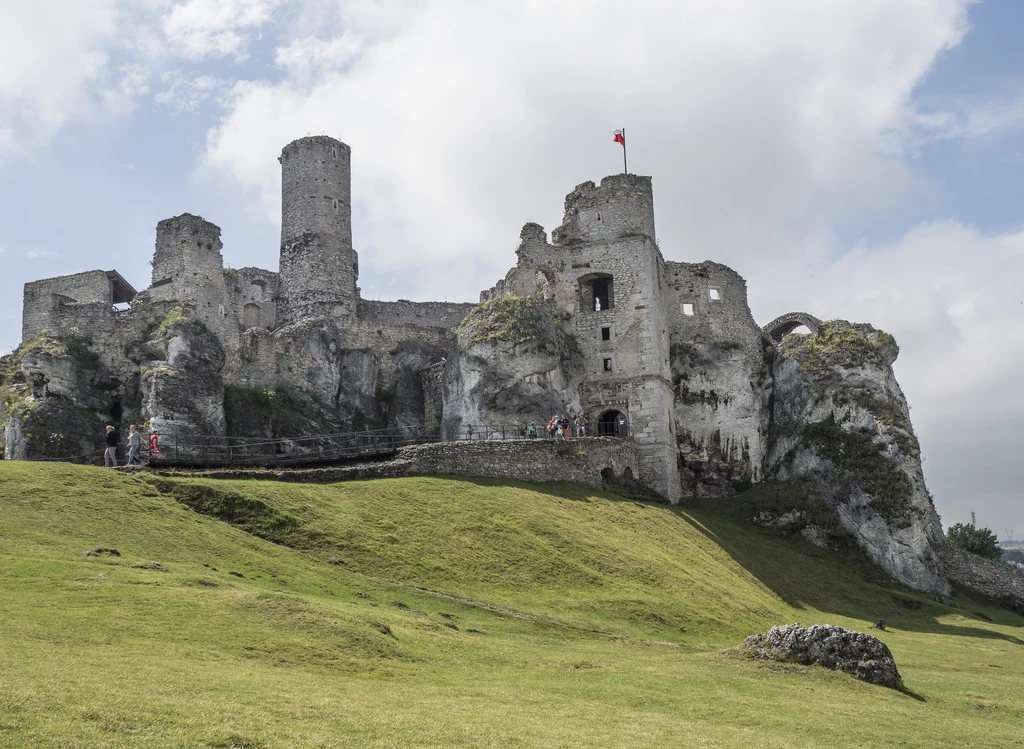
(198, 450)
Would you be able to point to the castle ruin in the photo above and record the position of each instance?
(592, 319)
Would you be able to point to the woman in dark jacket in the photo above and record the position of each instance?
(110, 454)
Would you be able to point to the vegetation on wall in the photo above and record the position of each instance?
(838, 344)
(980, 541)
(175, 316)
(511, 319)
(889, 487)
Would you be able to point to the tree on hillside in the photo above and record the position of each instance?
(980, 541)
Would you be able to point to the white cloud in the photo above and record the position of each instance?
(187, 94)
(308, 57)
(198, 29)
(762, 124)
(39, 254)
(952, 297)
(970, 121)
(52, 57)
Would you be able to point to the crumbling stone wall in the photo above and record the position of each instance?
(720, 379)
(622, 205)
(997, 580)
(445, 315)
(601, 463)
(44, 298)
(607, 238)
(252, 296)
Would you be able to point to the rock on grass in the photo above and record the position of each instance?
(860, 655)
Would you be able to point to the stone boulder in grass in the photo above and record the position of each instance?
(862, 656)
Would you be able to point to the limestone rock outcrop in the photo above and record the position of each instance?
(841, 427)
(183, 395)
(862, 656)
(514, 365)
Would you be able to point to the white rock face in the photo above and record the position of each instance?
(841, 424)
(515, 378)
(502, 383)
(721, 415)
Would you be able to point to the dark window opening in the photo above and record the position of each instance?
(601, 288)
(611, 424)
(116, 412)
(607, 365)
(606, 334)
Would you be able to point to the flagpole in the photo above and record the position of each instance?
(624, 169)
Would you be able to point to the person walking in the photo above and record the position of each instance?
(532, 431)
(110, 453)
(154, 445)
(563, 426)
(134, 444)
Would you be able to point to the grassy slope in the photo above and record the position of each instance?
(325, 644)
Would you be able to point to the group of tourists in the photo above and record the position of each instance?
(134, 446)
(563, 426)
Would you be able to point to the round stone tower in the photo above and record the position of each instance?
(318, 264)
(621, 207)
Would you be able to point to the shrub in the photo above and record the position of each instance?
(980, 541)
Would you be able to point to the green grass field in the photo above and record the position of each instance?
(441, 612)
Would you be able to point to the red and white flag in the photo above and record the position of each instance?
(620, 137)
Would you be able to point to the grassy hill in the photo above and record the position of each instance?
(440, 612)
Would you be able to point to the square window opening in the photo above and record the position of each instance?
(606, 334)
(607, 365)
(688, 309)
(716, 293)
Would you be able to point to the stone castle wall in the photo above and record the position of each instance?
(720, 378)
(622, 205)
(997, 580)
(45, 301)
(445, 315)
(593, 462)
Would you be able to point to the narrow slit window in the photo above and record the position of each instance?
(688, 308)
(607, 364)
(715, 293)
(335, 205)
(606, 334)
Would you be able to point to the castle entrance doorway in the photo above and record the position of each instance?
(611, 424)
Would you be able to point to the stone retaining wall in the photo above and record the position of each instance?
(996, 580)
(579, 460)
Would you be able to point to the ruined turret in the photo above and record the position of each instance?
(318, 265)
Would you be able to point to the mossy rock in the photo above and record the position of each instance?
(509, 319)
(840, 344)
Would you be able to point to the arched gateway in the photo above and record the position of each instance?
(612, 424)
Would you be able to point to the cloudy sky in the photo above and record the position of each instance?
(861, 159)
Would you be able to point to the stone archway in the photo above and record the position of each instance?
(612, 423)
(778, 328)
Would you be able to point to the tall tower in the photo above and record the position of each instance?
(318, 264)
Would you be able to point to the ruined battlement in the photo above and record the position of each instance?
(621, 206)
